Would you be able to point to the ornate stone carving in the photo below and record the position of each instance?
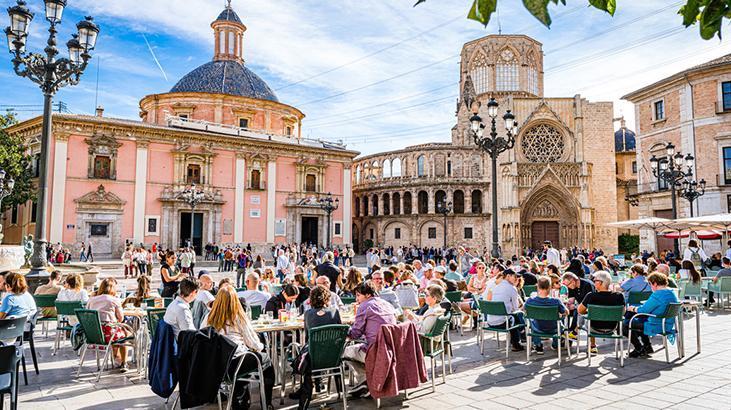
(545, 210)
(100, 200)
(542, 143)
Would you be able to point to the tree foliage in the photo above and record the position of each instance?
(16, 163)
(708, 14)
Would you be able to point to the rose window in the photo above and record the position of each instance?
(542, 143)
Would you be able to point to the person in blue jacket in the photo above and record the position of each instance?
(644, 327)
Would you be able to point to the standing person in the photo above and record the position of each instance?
(241, 261)
(333, 273)
(89, 254)
(695, 254)
(283, 267)
(553, 256)
(185, 261)
(82, 253)
(170, 276)
(127, 261)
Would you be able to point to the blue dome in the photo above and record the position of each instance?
(225, 77)
(624, 140)
(228, 14)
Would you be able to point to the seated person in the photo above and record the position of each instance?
(441, 275)
(407, 294)
(602, 297)
(111, 315)
(644, 327)
(252, 294)
(178, 314)
(506, 292)
(384, 293)
(18, 301)
(143, 292)
(543, 298)
(205, 289)
(73, 291)
(51, 288)
(578, 289)
(426, 321)
(638, 282)
(229, 318)
(371, 313)
(286, 299)
(321, 313)
(301, 282)
(335, 301)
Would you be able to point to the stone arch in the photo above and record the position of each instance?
(440, 198)
(396, 167)
(387, 168)
(374, 205)
(408, 208)
(458, 201)
(358, 171)
(477, 206)
(396, 203)
(357, 206)
(421, 166)
(365, 206)
(436, 240)
(550, 207)
(423, 202)
(386, 204)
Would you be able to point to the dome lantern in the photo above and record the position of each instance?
(228, 32)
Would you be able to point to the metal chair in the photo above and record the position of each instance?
(721, 288)
(432, 344)
(326, 346)
(455, 297)
(256, 375)
(604, 314)
(9, 363)
(45, 302)
(672, 312)
(529, 289)
(63, 311)
(547, 313)
(495, 309)
(92, 325)
(13, 329)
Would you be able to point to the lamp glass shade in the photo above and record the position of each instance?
(514, 131)
(653, 162)
(492, 106)
(678, 160)
(75, 50)
(20, 18)
(54, 10)
(475, 121)
(509, 119)
(689, 160)
(670, 149)
(11, 39)
(88, 32)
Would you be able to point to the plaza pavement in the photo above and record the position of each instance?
(698, 381)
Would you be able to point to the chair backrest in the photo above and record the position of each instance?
(454, 296)
(68, 308)
(605, 313)
(255, 311)
(724, 284)
(673, 310)
(45, 301)
(347, 300)
(9, 358)
(635, 298)
(688, 288)
(528, 289)
(149, 301)
(326, 345)
(439, 327)
(12, 328)
(167, 301)
(493, 308)
(542, 312)
(154, 316)
(92, 325)
(276, 289)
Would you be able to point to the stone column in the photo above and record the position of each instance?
(347, 206)
(431, 202)
(140, 191)
(468, 201)
(239, 198)
(414, 202)
(271, 199)
(57, 200)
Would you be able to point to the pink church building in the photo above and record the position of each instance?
(220, 127)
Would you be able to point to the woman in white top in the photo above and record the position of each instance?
(228, 317)
(425, 322)
(111, 315)
(73, 290)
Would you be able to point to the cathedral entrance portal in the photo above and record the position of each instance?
(544, 231)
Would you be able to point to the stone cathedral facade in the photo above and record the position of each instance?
(557, 183)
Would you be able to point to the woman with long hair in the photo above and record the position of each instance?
(228, 317)
(352, 281)
(689, 272)
(170, 276)
(105, 301)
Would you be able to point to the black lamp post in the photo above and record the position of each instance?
(50, 73)
(693, 190)
(6, 188)
(192, 196)
(328, 205)
(444, 210)
(670, 170)
(494, 146)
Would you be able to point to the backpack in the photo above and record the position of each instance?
(78, 337)
(695, 257)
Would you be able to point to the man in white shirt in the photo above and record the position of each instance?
(178, 314)
(205, 283)
(252, 294)
(553, 256)
(282, 265)
(506, 292)
(418, 269)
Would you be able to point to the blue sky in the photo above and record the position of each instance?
(377, 74)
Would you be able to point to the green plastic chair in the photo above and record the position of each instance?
(495, 309)
(45, 301)
(64, 310)
(255, 311)
(276, 289)
(672, 312)
(432, 344)
(528, 289)
(92, 325)
(347, 300)
(604, 314)
(636, 298)
(326, 346)
(153, 317)
(721, 288)
(167, 301)
(548, 313)
(149, 301)
(456, 297)
(689, 289)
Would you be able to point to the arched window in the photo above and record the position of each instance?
(396, 167)
(479, 73)
(440, 199)
(532, 74)
(255, 179)
(423, 202)
(374, 205)
(458, 201)
(386, 204)
(193, 175)
(310, 183)
(396, 198)
(506, 71)
(357, 174)
(231, 42)
(407, 203)
(365, 206)
(387, 168)
(357, 206)
(420, 166)
(476, 201)
(222, 42)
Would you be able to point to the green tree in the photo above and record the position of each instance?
(708, 14)
(16, 163)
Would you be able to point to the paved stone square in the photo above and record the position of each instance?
(697, 381)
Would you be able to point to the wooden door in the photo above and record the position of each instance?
(664, 243)
(544, 231)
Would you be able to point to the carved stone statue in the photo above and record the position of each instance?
(28, 249)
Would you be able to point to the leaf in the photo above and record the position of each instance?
(539, 10)
(607, 5)
(482, 10)
(711, 18)
(690, 12)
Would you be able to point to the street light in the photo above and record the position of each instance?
(50, 73)
(494, 146)
(444, 210)
(670, 170)
(328, 205)
(192, 196)
(6, 188)
(693, 190)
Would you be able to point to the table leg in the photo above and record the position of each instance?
(698, 327)
(681, 336)
(282, 364)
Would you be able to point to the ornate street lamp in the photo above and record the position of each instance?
(670, 170)
(328, 205)
(192, 196)
(494, 146)
(693, 190)
(50, 73)
(444, 210)
(6, 188)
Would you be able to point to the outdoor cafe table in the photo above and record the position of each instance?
(696, 306)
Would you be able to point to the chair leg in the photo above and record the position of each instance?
(345, 388)
(433, 386)
(507, 346)
(444, 368)
(665, 345)
(559, 350)
(621, 352)
(81, 362)
(2, 402)
(25, 374)
(33, 353)
(104, 362)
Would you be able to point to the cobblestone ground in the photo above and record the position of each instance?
(700, 380)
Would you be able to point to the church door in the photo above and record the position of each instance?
(544, 231)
